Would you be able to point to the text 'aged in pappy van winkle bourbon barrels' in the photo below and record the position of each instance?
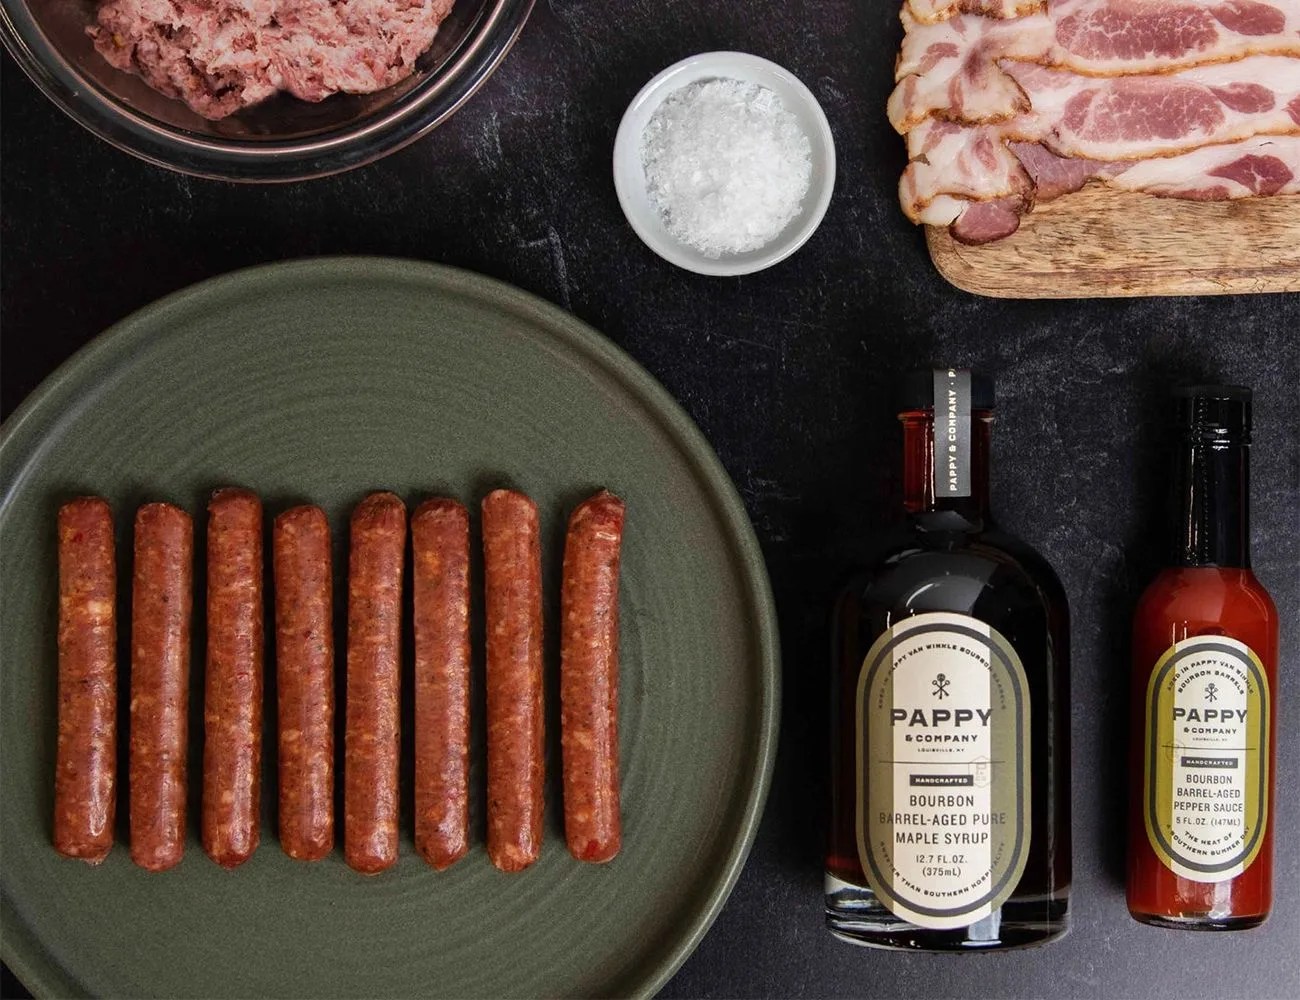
(1205, 649)
(950, 812)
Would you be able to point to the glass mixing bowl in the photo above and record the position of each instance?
(280, 139)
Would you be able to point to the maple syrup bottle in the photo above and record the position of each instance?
(950, 812)
(1205, 649)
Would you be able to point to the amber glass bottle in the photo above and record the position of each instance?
(950, 811)
(1205, 647)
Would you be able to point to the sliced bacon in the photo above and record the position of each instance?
(1256, 168)
(939, 10)
(1053, 176)
(1263, 166)
(986, 221)
(988, 162)
(974, 164)
(1133, 117)
(955, 67)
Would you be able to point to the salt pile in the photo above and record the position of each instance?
(726, 166)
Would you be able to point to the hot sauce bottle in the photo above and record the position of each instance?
(950, 812)
(1205, 648)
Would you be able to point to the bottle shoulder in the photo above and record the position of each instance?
(1206, 593)
(1204, 600)
(916, 570)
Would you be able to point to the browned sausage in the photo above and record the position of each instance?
(85, 763)
(160, 683)
(374, 683)
(515, 725)
(232, 713)
(589, 678)
(440, 567)
(304, 656)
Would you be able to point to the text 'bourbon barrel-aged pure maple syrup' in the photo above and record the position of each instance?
(950, 812)
(1205, 648)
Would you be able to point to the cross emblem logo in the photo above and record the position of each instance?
(1211, 693)
(940, 684)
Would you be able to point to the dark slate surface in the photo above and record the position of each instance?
(787, 373)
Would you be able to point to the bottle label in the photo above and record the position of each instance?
(943, 769)
(1206, 774)
(952, 405)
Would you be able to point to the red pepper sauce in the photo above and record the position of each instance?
(1183, 602)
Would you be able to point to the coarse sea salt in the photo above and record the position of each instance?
(726, 165)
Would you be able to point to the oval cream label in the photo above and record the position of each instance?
(943, 769)
(1205, 790)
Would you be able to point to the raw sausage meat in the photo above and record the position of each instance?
(440, 570)
(304, 656)
(85, 761)
(162, 593)
(232, 713)
(589, 678)
(370, 794)
(515, 724)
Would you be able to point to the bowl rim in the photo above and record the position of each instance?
(414, 115)
(705, 65)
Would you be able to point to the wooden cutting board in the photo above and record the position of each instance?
(1101, 242)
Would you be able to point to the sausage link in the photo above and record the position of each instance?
(85, 761)
(589, 678)
(162, 594)
(304, 656)
(371, 748)
(515, 724)
(232, 714)
(440, 567)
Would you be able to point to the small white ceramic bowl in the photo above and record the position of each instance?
(629, 174)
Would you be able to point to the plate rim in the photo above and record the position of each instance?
(31, 962)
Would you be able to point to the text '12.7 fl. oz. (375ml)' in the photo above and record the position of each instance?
(950, 812)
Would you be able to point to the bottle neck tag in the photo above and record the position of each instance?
(952, 429)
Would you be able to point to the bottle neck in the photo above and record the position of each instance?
(923, 490)
(1212, 505)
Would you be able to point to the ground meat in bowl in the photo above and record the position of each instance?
(219, 56)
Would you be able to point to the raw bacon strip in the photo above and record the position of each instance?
(954, 67)
(938, 10)
(1260, 167)
(1256, 168)
(1053, 176)
(1160, 115)
(1121, 118)
(972, 164)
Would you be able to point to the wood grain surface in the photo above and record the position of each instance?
(1100, 242)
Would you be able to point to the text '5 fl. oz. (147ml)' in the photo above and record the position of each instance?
(950, 812)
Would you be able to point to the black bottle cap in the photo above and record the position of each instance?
(1219, 413)
(917, 390)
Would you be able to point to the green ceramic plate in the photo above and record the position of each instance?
(323, 380)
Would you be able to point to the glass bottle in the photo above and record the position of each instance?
(950, 812)
(1205, 650)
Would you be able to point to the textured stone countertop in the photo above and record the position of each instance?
(788, 374)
